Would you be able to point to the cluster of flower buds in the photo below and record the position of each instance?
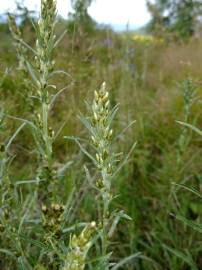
(45, 41)
(17, 36)
(52, 217)
(79, 246)
(101, 105)
(39, 123)
(48, 11)
(101, 132)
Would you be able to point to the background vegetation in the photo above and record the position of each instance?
(156, 80)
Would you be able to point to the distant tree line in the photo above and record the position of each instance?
(177, 17)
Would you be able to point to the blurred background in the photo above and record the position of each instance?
(115, 13)
(150, 55)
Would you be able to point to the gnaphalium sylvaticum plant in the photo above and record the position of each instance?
(48, 214)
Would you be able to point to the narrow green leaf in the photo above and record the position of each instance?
(184, 257)
(128, 259)
(191, 127)
(193, 225)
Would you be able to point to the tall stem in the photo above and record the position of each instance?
(44, 63)
(101, 138)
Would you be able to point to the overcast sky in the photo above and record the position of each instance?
(115, 12)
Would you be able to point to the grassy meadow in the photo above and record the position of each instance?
(155, 84)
